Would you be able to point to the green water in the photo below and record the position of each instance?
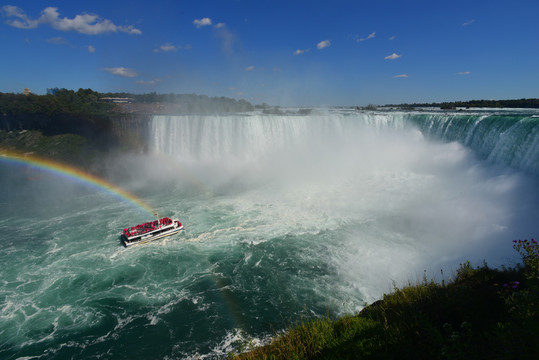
(288, 232)
(69, 289)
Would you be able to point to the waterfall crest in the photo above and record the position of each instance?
(502, 139)
(508, 139)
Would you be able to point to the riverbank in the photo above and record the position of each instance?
(483, 313)
(70, 149)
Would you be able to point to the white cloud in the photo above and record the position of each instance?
(300, 51)
(227, 38)
(23, 21)
(249, 68)
(370, 36)
(91, 49)
(468, 22)
(392, 56)
(401, 76)
(168, 47)
(323, 44)
(202, 22)
(57, 41)
(121, 71)
(148, 83)
(89, 24)
(392, 37)
(464, 73)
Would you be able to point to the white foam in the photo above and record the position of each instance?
(357, 205)
(231, 343)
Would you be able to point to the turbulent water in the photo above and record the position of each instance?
(287, 217)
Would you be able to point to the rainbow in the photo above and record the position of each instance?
(72, 173)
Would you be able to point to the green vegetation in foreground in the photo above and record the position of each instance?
(483, 313)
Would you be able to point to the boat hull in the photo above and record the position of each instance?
(146, 238)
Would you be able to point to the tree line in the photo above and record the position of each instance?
(67, 111)
(190, 102)
(67, 102)
(518, 103)
(88, 102)
(85, 112)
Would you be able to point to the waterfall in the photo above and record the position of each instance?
(286, 217)
(506, 139)
(501, 139)
(250, 136)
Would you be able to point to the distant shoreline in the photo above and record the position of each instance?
(531, 103)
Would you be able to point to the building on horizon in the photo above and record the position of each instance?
(117, 100)
(52, 91)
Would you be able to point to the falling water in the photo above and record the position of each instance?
(287, 217)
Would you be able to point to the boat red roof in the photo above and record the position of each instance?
(147, 227)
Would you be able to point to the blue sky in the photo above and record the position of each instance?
(289, 53)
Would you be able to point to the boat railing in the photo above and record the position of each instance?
(147, 227)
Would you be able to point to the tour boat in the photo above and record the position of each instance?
(150, 231)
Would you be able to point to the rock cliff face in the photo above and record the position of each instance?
(92, 127)
(131, 130)
(125, 130)
(37, 121)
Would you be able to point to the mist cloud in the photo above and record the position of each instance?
(227, 38)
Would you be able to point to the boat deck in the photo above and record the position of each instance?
(150, 231)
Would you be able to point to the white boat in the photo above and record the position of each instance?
(150, 231)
